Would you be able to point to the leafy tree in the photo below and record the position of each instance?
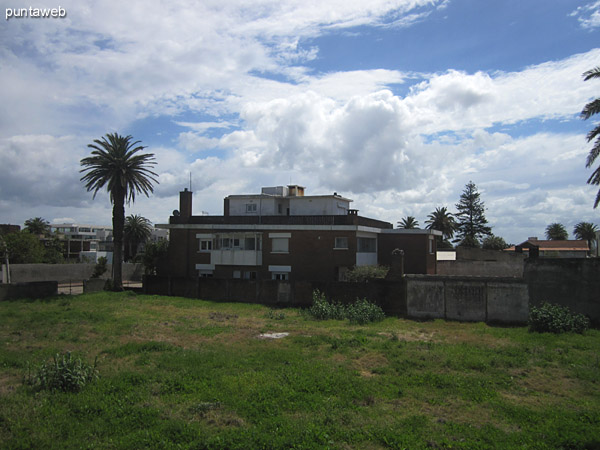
(137, 231)
(153, 253)
(586, 231)
(115, 164)
(556, 232)
(408, 223)
(53, 251)
(472, 224)
(589, 110)
(24, 248)
(38, 226)
(470, 242)
(442, 220)
(494, 243)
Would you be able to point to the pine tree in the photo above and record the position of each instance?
(472, 224)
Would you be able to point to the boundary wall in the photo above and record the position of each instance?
(21, 273)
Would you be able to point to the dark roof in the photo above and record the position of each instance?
(551, 245)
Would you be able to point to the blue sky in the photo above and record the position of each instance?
(396, 104)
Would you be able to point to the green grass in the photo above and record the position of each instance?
(180, 373)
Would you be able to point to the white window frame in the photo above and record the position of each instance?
(251, 208)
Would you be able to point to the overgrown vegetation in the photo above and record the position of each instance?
(549, 318)
(360, 274)
(100, 267)
(193, 374)
(361, 311)
(64, 373)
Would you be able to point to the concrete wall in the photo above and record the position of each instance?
(481, 268)
(570, 282)
(476, 262)
(467, 299)
(65, 272)
(424, 297)
(38, 289)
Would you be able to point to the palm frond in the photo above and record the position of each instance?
(591, 109)
(593, 73)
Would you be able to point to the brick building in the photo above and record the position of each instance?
(282, 234)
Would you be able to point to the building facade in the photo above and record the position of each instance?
(282, 234)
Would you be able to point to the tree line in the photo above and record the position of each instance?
(469, 226)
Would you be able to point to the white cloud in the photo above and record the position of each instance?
(588, 15)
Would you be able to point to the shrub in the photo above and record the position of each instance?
(64, 373)
(556, 319)
(360, 274)
(100, 267)
(323, 309)
(361, 311)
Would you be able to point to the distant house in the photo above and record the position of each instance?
(283, 234)
(551, 248)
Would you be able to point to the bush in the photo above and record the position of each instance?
(556, 319)
(323, 309)
(362, 311)
(100, 267)
(64, 373)
(359, 274)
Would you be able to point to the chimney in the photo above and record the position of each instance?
(185, 203)
(533, 238)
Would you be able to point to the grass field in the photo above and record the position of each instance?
(181, 373)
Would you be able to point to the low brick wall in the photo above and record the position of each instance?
(38, 289)
(467, 299)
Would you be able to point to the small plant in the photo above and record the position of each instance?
(276, 315)
(323, 309)
(361, 311)
(556, 319)
(100, 267)
(64, 373)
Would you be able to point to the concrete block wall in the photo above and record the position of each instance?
(39, 289)
(467, 299)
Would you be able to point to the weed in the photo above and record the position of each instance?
(361, 311)
(275, 315)
(65, 373)
(556, 319)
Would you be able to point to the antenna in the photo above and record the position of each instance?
(190, 181)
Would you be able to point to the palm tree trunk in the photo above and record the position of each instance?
(118, 224)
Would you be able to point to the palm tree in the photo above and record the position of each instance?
(137, 230)
(443, 221)
(556, 232)
(37, 225)
(114, 164)
(589, 110)
(586, 231)
(408, 223)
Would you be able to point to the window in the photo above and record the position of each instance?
(237, 274)
(236, 243)
(250, 207)
(367, 245)
(250, 275)
(430, 244)
(280, 276)
(250, 244)
(205, 274)
(226, 243)
(341, 243)
(205, 245)
(280, 245)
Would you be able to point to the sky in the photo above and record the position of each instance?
(396, 104)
